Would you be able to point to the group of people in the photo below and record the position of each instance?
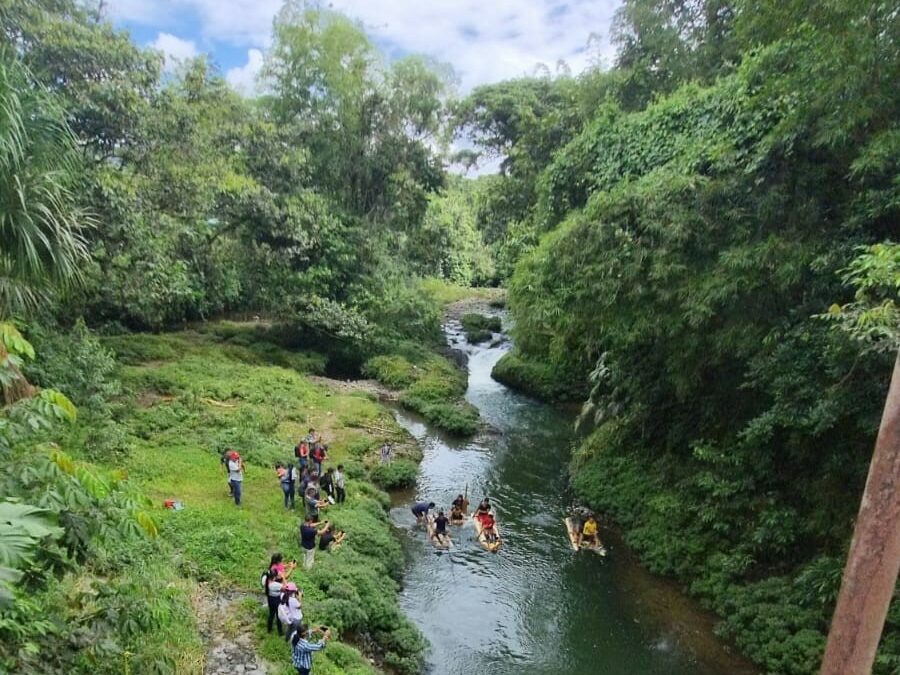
(310, 454)
(285, 602)
(317, 489)
(484, 514)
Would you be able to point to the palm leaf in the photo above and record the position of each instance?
(42, 244)
(22, 527)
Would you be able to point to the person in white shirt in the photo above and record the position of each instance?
(290, 610)
(339, 479)
(235, 467)
(274, 585)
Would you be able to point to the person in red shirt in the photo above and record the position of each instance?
(301, 452)
(487, 526)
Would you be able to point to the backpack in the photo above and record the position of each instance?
(298, 450)
(264, 580)
(288, 476)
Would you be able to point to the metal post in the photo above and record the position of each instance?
(874, 561)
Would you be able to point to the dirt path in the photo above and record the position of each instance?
(227, 632)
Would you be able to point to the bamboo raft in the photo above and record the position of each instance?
(444, 542)
(492, 546)
(597, 548)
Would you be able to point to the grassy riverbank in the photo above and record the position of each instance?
(778, 618)
(190, 394)
(537, 379)
(425, 382)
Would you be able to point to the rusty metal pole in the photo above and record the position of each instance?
(874, 561)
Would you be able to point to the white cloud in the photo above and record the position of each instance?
(243, 78)
(174, 48)
(484, 41)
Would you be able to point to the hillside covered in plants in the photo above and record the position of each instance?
(702, 247)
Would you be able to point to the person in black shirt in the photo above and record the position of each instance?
(458, 510)
(326, 483)
(308, 532)
(440, 524)
(329, 537)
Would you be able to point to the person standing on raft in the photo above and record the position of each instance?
(440, 527)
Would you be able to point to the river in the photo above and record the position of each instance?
(537, 607)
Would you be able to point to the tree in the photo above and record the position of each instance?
(664, 43)
(363, 123)
(105, 80)
(41, 224)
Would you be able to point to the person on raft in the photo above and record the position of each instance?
(483, 508)
(460, 504)
(456, 515)
(589, 532)
(440, 525)
(488, 529)
(579, 517)
(420, 511)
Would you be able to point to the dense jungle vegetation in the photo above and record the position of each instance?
(699, 243)
(702, 243)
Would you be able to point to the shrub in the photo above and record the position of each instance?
(75, 363)
(540, 380)
(479, 327)
(400, 473)
(141, 348)
(459, 418)
(392, 371)
(434, 387)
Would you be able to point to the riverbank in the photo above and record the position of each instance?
(191, 394)
(661, 505)
(536, 607)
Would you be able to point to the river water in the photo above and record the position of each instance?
(537, 607)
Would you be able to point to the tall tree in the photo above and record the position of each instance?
(363, 123)
(664, 43)
(105, 80)
(42, 244)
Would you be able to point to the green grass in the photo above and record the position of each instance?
(431, 386)
(191, 394)
(446, 293)
(538, 379)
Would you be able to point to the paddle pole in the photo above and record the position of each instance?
(874, 560)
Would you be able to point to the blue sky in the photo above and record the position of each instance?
(484, 40)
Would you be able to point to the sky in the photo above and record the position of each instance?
(484, 40)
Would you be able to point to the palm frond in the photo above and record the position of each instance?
(42, 242)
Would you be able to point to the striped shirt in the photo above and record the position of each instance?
(303, 650)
